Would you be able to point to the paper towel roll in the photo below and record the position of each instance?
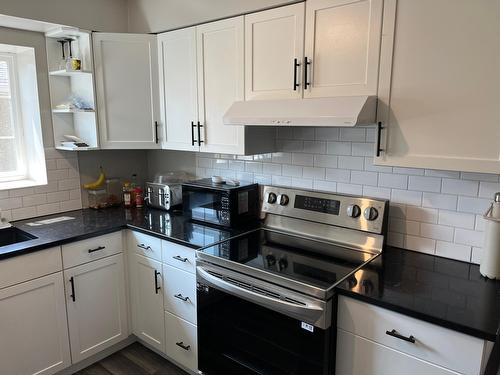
(490, 262)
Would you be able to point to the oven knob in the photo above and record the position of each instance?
(370, 213)
(353, 210)
(282, 264)
(271, 260)
(271, 198)
(283, 198)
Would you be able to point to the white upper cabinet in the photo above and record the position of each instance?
(126, 71)
(178, 89)
(440, 108)
(220, 83)
(342, 47)
(274, 49)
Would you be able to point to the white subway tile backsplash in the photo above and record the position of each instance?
(460, 187)
(431, 211)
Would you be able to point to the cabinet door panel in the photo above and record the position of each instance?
(220, 83)
(359, 356)
(147, 301)
(178, 88)
(34, 337)
(440, 105)
(97, 316)
(273, 39)
(126, 73)
(343, 44)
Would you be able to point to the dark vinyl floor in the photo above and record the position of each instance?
(132, 360)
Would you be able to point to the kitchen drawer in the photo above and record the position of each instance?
(179, 256)
(80, 252)
(438, 345)
(359, 356)
(180, 293)
(29, 266)
(144, 244)
(181, 341)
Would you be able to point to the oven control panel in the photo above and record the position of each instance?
(349, 211)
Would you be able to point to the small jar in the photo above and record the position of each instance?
(139, 197)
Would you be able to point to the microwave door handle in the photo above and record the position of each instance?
(308, 312)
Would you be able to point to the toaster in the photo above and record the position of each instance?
(163, 196)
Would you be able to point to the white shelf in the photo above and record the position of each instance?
(76, 148)
(73, 111)
(68, 73)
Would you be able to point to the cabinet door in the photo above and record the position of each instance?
(34, 338)
(178, 89)
(220, 83)
(97, 312)
(359, 356)
(342, 44)
(274, 48)
(440, 105)
(126, 73)
(147, 300)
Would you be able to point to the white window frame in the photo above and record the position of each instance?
(16, 117)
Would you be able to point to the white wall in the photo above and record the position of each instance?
(161, 15)
(99, 15)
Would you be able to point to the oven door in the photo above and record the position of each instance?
(247, 326)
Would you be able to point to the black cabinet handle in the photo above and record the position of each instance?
(157, 139)
(192, 133)
(72, 282)
(296, 65)
(181, 297)
(144, 247)
(307, 62)
(96, 249)
(379, 136)
(181, 344)
(157, 287)
(199, 134)
(395, 334)
(180, 259)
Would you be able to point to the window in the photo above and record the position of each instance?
(12, 156)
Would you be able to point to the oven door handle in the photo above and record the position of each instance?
(308, 310)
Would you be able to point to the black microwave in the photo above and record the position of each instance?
(221, 204)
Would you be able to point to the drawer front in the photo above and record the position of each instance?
(359, 356)
(144, 245)
(444, 347)
(181, 341)
(29, 266)
(81, 252)
(179, 256)
(180, 293)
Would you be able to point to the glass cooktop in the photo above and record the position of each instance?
(286, 259)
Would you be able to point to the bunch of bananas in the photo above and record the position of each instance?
(97, 183)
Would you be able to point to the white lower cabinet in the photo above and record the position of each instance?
(374, 340)
(359, 356)
(181, 341)
(34, 331)
(96, 304)
(147, 300)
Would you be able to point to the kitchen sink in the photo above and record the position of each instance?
(14, 235)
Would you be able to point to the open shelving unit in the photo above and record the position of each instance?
(64, 84)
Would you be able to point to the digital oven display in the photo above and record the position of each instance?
(327, 206)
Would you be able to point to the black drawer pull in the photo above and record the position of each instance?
(72, 282)
(96, 249)
(180, 259)
(192, 133)
(379, 139)
(307, 62)
(157, 287)
(199, 134)
(181, 297)
(395, 334)
(181, 344)
(142, 246)
(296, 64)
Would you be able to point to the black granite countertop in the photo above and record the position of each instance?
(86, 223)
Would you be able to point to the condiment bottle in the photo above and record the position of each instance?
(139, 197)
(127, 195)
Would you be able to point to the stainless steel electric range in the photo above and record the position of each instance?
(266, 301)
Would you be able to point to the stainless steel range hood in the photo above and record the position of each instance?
(341, 111)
